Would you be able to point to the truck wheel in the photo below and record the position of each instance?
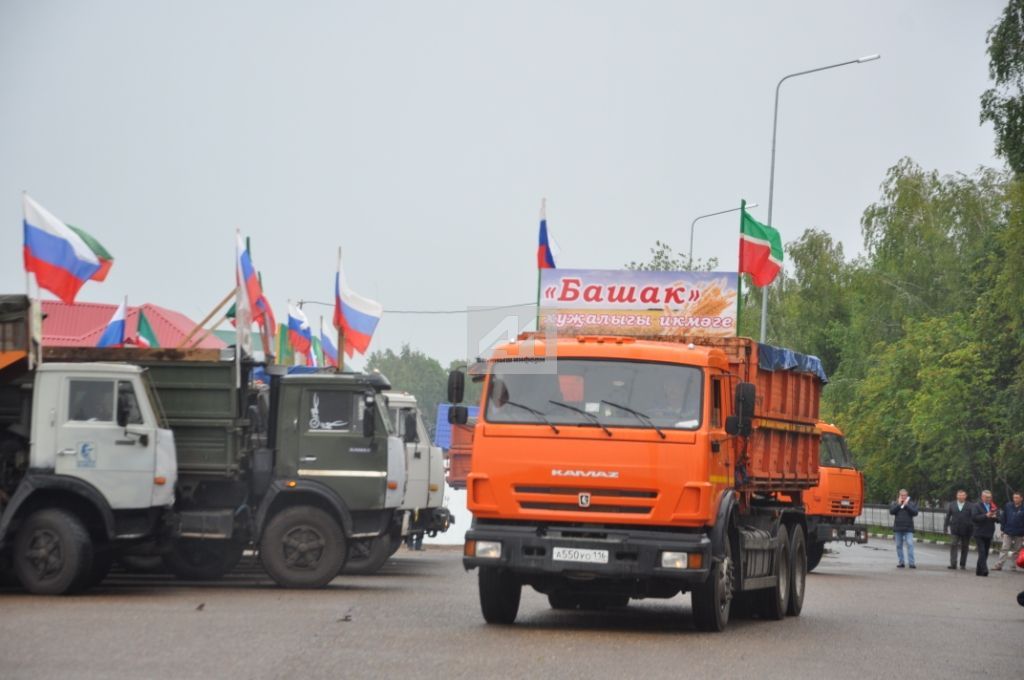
(814, 552)
(500, 592)
(712, 599)
(775, 600)
(303, 547)
(52, 553)
(560, 599)
(366, 557)
(396, 543)
(193, 559)
(798, 570)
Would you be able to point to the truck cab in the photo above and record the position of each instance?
(835, 503)
(87, 469)
(424, 494)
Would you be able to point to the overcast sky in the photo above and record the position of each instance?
(421, 136)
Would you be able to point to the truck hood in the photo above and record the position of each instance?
(582, 474)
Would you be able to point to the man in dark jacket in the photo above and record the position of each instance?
(903, 511)
(1011, 519)
(984, 514)
(960, 527)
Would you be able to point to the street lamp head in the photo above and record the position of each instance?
(870, 57)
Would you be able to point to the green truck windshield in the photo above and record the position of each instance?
(597, 392)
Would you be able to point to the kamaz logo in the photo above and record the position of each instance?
(589, 474)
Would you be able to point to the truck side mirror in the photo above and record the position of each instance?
(369, 415)
(458, 415)
(410, 435)
(456, 387)
(122, 411)
(746, 394)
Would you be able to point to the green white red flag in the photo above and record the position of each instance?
(760, 250)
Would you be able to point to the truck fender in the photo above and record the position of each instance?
(34, 484)
(302, 486)
(719, 533)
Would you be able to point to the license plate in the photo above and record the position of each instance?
(580, 555)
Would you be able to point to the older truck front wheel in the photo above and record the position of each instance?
(303, 547)
(53, 553)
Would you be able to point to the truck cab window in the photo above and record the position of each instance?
(834, 452)
(127, 402)
(91, 400)
(333, 411)
(716, 402)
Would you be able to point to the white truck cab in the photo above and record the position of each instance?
(87, 467)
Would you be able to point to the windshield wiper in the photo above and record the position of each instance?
(584, 413)
(534, 412)
(642, 416)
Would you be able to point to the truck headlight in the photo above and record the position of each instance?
(488, 550)
(673, 560)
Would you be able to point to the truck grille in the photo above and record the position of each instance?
(849, 508)
(568, 499)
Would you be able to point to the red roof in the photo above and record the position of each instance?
(82, 324)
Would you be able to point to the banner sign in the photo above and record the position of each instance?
(643, 303)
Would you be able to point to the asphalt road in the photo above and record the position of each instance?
(419, 618)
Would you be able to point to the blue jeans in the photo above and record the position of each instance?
(908, 538)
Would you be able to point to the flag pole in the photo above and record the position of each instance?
(543, 217)
(739, 268)
(341, 326)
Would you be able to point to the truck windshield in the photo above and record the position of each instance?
(667, 396)
(834, 452)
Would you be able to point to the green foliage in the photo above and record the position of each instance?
(664, 259)
(1003, 104)
(414, 372)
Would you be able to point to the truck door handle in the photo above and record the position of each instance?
(67, 452)
(124, 442)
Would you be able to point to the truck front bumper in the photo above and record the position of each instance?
(632, 554)
(849, 533)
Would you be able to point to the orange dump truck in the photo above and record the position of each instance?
(612, 468)
(833, 505)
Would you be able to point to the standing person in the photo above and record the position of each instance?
(1011, 519)
(903, 511)
(960, 527)
(983, 514)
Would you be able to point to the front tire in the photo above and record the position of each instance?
(303, 547)
(53, 553)
(712, 600)
(500, 593)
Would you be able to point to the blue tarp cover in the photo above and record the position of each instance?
(772, 358)
(442, 430)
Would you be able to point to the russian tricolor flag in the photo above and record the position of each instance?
(247, 273)
(327, 345)
(61, 261)
(356, 315)
(300, 336)
(545, 259)
(113, 335)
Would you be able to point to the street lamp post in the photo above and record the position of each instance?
(771, 180)
(700, 217)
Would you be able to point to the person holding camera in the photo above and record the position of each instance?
(960, 527)
(984, 515)
(903, 511)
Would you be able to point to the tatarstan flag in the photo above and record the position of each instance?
(146, 335)
(105, 258)
(760, 250)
